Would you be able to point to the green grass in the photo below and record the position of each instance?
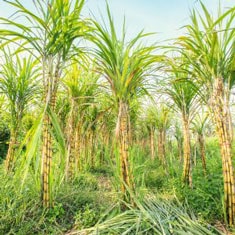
(90, 201)
(206, 197)
(79, 204)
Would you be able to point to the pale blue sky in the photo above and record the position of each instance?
(162, 16)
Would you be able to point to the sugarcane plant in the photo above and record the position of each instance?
(182, 93)
(200, 124)
(81, 88)
(150, 121)
(18, 83)
(126, 67)
(209, 49)
(158, 121)
(178, 134)
(50, 32)
(163, 117)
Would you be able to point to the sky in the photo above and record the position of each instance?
(164, 17)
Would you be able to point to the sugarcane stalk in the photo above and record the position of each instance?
(202, 151)
(152, 146)
(77, 147)
(187, 177)
(9, 163)
(70, 169)
(50, 88)
(221, 119)
(126, 174)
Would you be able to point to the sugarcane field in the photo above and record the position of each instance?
(117, 117)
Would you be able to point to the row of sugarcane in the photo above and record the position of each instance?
(202, 72)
